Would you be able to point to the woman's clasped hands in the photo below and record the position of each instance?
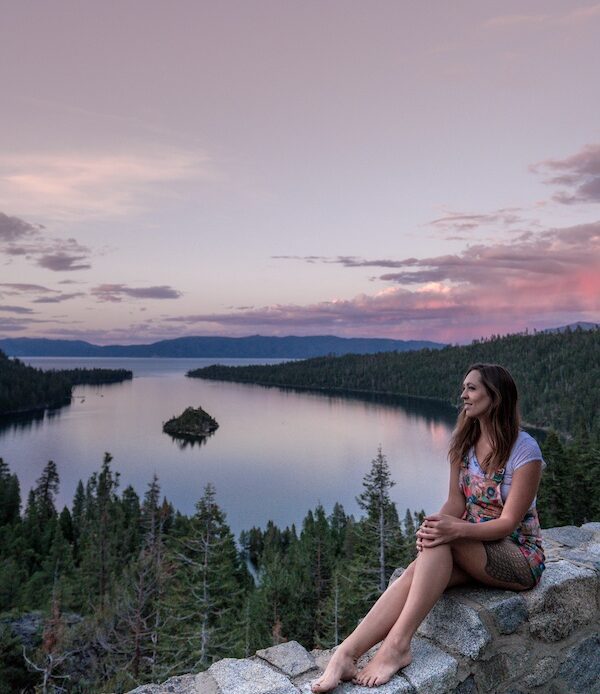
(437, 529)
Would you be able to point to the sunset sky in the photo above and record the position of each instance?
(387, 168)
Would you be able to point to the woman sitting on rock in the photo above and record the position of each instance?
(495, 471)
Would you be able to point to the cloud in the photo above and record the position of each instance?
(11, 324)
(539, 279)
(345, 260)
(67, 185)
(14, 229)
(116, 292)
(20, 287)
(464, 222)
(574, 16)
(58, 299)
(15, 309)
(59, 255)
(579, 173)
(63, 262)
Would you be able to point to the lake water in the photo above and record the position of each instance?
(276, 453)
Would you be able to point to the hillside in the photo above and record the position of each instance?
(255, 346)
(557, 374)
(24, 389)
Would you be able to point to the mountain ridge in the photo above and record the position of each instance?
(253, 346)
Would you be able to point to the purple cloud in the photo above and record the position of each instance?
(116, 292)
(57, 299)
(580, 173)
(20, 238)
(20, 287)
(14, 229)
(15, 309)
(63, 262)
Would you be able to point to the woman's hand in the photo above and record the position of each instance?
(438, 529)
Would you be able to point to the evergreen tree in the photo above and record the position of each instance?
(99, 537)
(10, 496)
(381, 528)
(206, 595)
(556, 487)
(45, 492)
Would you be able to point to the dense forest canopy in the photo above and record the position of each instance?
(24, 388)
(557, 374)
(131, 591)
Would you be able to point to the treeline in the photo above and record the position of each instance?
(134, 591)
(557, 374)
(25, 388)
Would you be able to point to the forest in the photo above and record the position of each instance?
(25, 389)
(123, 590)
(557, 374)
(117, 590)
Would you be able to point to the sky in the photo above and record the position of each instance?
(362, 169)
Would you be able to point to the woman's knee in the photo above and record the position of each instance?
(406, 575)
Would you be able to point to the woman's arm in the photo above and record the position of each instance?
(455, 503)
(441, 527)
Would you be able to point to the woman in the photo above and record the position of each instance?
(495, 471)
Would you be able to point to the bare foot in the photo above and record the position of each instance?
(340, 668)
(384, 665)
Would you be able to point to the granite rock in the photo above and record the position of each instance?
(432, 671)
(246, 676)
(562, 601)
(397, 685)
(467, 687)
(507, 608)
(581, 669)
(181, 684)
(543, 670)
(594, 526)
(569, 535)
(291, 658)
(456, 626)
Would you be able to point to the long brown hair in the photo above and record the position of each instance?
(503, 416)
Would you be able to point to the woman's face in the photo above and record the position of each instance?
(476, 400)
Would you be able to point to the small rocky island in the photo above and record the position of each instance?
(192, 424)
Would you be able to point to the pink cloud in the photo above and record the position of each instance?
(539, 280)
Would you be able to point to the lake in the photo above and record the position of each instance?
(276, 454)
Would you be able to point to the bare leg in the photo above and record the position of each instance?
(372, 629)
(432, 573)
(432, 569)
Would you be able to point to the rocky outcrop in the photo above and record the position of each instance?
(474, 641)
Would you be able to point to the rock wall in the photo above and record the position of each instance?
(474, 641)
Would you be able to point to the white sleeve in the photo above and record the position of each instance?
(526, 449)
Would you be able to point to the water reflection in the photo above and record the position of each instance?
(25, 421)
(279, 452)
(422, 408)
(182, 441)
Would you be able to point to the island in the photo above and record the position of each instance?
(192, 424)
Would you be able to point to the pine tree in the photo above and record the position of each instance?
(381, 528)
(99, 537)
(46, 489)
(10, 496)
(206, 594)
(556, 487)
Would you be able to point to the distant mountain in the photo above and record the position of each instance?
(255, 346)
(582, 325)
